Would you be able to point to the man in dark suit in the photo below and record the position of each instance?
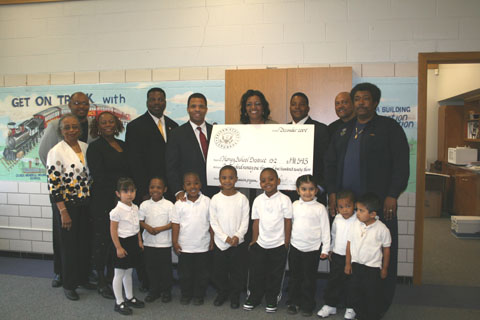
(146, 139)
(299, 108)
(188, 146)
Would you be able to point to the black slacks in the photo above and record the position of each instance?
(337, 285)
(75, 247)
(267, 268)
(158, 263)
(193, 274)
(230, 270)
(389, 284)
(56, 241)
(366, 286)
(302, 284)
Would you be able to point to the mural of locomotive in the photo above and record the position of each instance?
(24, 136)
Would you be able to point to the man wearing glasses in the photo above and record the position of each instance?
(79, 105)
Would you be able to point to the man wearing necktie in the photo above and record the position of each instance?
(187, 148)
(146, 139)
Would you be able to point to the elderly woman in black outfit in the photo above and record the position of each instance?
(107, 162)
(69, 186)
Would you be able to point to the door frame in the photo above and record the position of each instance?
(424, 59)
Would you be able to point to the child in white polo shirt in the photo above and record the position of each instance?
(310, 231)
(367, 257)
(125, 233)
(229, 220)
(272, 225)
(155, 216)
(337, 291)
(192, 239)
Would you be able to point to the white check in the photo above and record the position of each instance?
(250, 148)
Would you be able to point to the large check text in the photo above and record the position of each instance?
(251, 148)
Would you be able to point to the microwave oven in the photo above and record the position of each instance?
(462, 155)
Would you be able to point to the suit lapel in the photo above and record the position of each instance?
(193, 138)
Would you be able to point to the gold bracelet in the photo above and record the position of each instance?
(63, 209)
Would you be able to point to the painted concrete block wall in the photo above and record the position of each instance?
(25, 212)
(100, 41)
(97, 35)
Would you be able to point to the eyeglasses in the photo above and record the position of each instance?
(256, 104)
(83, 103)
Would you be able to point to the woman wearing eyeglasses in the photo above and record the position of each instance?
(69, 186)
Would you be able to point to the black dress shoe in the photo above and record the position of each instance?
(151, 297)
(219, 300)
(89, 286)
(166, 297)
(122, 308)
(197, 301)
(57, 281)
(106, 292)
(71, 294)
(135, 303)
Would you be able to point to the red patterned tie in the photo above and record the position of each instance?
(203, 142)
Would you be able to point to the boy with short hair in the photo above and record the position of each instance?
(155, 214)
(367, 257)
(229, 220)
(337, 286)
(192, 239)
(272, 226)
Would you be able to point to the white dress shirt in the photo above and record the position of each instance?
(367, 243)
(127, 218)
(229, 218)
(340, 230)
(157, 214)
(271, 212)
(194, 221)
(310, 226)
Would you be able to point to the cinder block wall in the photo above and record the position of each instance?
(108, 41)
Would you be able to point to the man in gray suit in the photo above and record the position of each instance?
(79, 105)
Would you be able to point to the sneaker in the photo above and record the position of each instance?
(134, 302)
(271, 308)
(249, 305)
(292, 309)
(326, 311)
(122, 308)
(349, 314)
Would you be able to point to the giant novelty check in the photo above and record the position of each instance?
(251, 148)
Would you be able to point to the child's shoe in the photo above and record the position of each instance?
(271, 308)
(249, 305)
(135, 303)
(350, 314)
(326, 311)
(123, 309)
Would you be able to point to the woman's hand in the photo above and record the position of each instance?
(66, 220)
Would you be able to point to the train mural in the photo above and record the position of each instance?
(24, 136)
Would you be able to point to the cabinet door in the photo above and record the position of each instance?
(466, 195)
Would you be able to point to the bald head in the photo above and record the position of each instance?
(344, 106)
